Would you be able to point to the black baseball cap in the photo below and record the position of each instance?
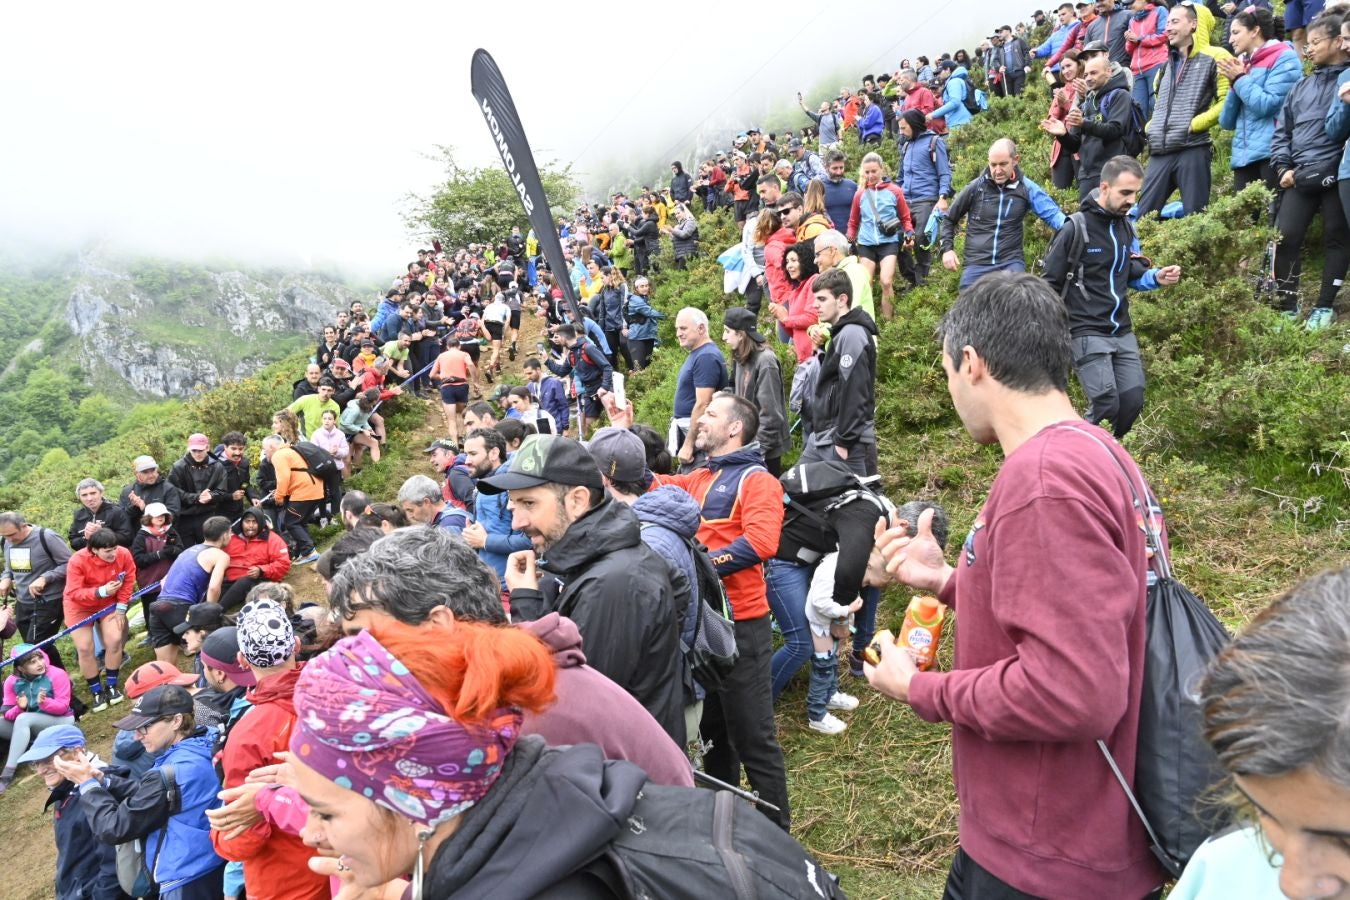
(738, 318)
(155, 704)
(202, 616)
(441, 444)
(545, 459)
(1094, 47)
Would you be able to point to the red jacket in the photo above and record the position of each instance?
(274, 861)
(1050, 658)
(373, 379)
(267, 551)
(922, 99)
(86, 573)
(742, 521)
(801, 315)
(774, 272)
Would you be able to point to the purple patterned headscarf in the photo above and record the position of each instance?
(365, 723)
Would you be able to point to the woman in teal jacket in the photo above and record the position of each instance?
(1261, 79)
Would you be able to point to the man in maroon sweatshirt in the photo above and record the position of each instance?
(1050, 590)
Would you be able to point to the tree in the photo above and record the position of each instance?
(95, 421)
(479, 206)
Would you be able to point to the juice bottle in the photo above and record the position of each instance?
(921, 630)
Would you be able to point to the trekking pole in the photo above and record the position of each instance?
(408, 381)
(739, 792)
(87, 620)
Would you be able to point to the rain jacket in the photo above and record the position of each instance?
(86, 573)
(266, 551)
(86, 868)
(925, 169)
(994, 216)
(843, 410)
(1302, 136)
(1150, 51)
(760, 380)
(871, 207)
(1254, 101)
(953, 109)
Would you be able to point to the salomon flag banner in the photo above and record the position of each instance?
(494, 102)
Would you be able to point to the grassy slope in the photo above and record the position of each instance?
(1240, 437)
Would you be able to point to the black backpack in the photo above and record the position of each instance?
(815, 493)
(970, 101)
(1078, 243)
(1133, 138)
(320, 464)
(683, 843)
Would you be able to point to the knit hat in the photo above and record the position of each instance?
(266, 637)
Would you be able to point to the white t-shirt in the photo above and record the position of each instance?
(497, 311)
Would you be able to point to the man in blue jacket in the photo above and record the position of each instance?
(1055, 41)
(490, 533)
(955, 87)
(994, 205)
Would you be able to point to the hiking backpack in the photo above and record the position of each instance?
(712, 653)
(320, 464)
(135, 874)
(975, 101)
(1133, 138)
(815, 494)
(683, 843)
(1078, 243)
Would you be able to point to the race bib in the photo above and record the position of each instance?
(20, 560)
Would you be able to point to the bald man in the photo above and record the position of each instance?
(996, 203)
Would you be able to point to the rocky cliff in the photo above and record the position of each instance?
(167, 329)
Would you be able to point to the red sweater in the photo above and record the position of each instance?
(1050, 593)
(274, 861)
(86, 573)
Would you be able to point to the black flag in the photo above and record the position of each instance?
(503, 122)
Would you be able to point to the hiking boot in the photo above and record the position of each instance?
(511, 353)
(855, 664)
(843, 701)
(828, 725)
(6, 777)
(100, 702)
(488, 374)
(115, 695)
(1319, 318)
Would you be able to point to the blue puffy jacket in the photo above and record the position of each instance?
(1254, 101)
(953, 107)
(669, 516)
(490, 511)
(871, 123)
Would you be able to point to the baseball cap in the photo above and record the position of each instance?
(341, 363)
(202, 616)
(1094, 47)
(198, 441)
(619, 454)
(441, 444)
(153, 674)
(144, 463)
(947, 64)
(753, 129)
(155, 704)
(795, 144)
(545, 459)
(49, 741)
(220, 651)
(738, 318)
(266, 636)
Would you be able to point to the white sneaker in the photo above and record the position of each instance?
(842, 701)
(828, 725)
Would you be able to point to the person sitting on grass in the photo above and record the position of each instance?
(37, 697)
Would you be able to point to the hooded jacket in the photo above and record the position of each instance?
(843, 411)
(741, 506)
(267, 550)
(684, 237)
(760, 380)
(681, 185)
(871, 122)
(1302, 138)
(1150, 51)
(110, 514)
(54, 681)
(588, 362)
(1111, 265)
(154, 553)
(641, 318)
(953, 108)
(1190, 93)
(591, 709)
(925, 168)
(801, 315)
(1254, 101)
(1111, 29)
(123, 809)
(86, 573)
(274, 861)
(491, 512)
(606, 307)
(617, 591)
(774, 271)
(669, 517)
(1106, 119)
(994, 215)
(86, 868)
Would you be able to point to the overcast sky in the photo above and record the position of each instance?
(290, 132)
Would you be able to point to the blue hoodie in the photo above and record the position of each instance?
(953, 107)
(491, 512)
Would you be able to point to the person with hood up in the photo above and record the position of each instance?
(119, 809)
(593, 568)
(36, 697)
(925, 177)
(1190, 95)
(994, 206)
(955, 86)
(757, 377)
(1146, 40)
(86, 868)
(1096, 127)
(681, 184)
(1264, 73)
(257, 554)
(274, 861)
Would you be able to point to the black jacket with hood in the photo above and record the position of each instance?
(1106, 119)
(1111, 265)
(844, 410)
(617, 590)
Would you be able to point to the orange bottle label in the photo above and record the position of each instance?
(922, 630)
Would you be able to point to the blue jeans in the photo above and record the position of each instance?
(865, 619)
(972, 274)
(824, 684)
(1143, 91)
(787, 583)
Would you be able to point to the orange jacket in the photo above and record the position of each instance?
(293, 479)
(86, 573)
(742, 521)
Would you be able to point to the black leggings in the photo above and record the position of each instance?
(641, 352)
(1295, 214)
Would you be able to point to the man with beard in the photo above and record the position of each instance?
(1095, 286)
(491, 532)
(257, 554)
(201, 481)
(593, 568)
(230, 454)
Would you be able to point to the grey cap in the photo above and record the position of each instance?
(619, 453)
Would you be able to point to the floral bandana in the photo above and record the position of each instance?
(366, 724)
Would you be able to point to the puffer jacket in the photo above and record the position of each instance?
(994, 216)
(642, 318)
(669, 517)
(1190, 94)
(1254, 101)
(874, 205)
(1150, 51)
(606, 307)
(1301, 135)
(684, 238)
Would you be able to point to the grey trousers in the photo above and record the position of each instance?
(1112, 375)
(23, 729)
